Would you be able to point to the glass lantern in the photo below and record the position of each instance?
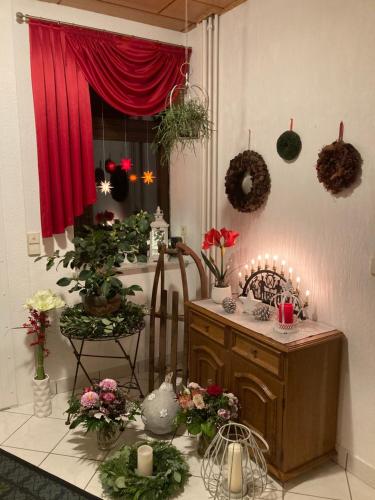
(158, 235)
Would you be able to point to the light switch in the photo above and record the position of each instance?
(372, 266)
(33, 244)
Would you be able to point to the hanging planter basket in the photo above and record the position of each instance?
(185, 119)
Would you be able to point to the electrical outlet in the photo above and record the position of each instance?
(33, 244)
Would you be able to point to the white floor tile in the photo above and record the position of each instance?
(9, 423)
(39, 434)
(326, 481)
(78, 443)
(360, 490)
(271, 494)
(297, 496)
(34, 457)
(194, 490)
(26, 409)
(95, 487)
(77, 471)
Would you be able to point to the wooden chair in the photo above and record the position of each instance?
(172, 319)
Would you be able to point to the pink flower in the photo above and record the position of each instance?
(198, 401)
(108, 384)
(89, 399)
(108, 397)
(224, 414)
(185, 402)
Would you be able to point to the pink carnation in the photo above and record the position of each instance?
(224, 414)
(108, 384)
(108, 397)
(89, 399)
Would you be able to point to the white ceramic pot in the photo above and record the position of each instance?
(42, 397)
(218, 293)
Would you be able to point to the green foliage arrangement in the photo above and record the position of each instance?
(181, 125)
(135, 231)
(170, 474)
(128, 320)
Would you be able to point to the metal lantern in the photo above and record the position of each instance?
(233, 466)
(289, 296)
(158, 235)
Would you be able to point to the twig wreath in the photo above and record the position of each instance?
(289, 144)
(247, 182)
(120, 479)
(338, 164)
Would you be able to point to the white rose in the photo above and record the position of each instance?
(44, 300)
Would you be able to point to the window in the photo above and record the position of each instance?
(117, 136)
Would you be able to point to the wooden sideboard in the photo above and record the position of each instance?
(287, 384)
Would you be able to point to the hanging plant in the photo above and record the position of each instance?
(182, 125)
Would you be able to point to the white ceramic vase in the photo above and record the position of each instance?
(218, 293)
(42, 398)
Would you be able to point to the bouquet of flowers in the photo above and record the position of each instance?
(204, 410)
(222, 239)
(102, 407)
(39, 305)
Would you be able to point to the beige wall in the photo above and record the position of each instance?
(20, 194)
(314, 61)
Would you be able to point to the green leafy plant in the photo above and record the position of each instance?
(135, 231)
(181, 125)
(129, 319)
(170, 473)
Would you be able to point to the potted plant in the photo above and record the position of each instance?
(39, 305)
(98, 253)
(204, 411)
(103, 408)
(221, 239)
(181, 125)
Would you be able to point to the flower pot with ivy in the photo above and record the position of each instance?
(222, 240)
(39, 305)
(204, 411)
(103, 408)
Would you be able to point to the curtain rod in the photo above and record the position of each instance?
(25, 18)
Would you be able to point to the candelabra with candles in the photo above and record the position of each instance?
(267, 282)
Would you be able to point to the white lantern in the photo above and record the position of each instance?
(158, 235)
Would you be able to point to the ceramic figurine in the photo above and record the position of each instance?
(249, 302)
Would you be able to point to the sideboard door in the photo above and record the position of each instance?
(207, 362)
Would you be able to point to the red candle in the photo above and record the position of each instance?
(286, 313)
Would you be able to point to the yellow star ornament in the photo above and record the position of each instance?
(148, 177)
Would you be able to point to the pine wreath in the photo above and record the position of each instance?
(247, 163)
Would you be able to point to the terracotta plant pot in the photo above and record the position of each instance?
(42, 397)
(218, 293)
(101, 306)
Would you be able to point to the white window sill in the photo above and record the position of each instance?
(149, 267)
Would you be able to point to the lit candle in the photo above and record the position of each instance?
(145, 460)
(274, 262)
(298, 281)
(246, 270)
(239, 275)
(235, 468)
(286, 313)
(290, 273)
(266, 257)
(259, 261)
(282, 267)
(307, 296)
(252, 265)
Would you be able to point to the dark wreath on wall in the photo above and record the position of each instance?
(247, 182)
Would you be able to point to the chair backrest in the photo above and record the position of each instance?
(172, 319)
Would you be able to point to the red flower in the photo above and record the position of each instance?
(212, 237)
(229, 237)
(214, 390)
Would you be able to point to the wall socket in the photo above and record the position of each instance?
(33, 244)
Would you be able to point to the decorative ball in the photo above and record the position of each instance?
(262, 313)
(229, 305)
(110, 166)
(289, 145)
(159, 408)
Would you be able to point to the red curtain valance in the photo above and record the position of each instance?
(132, 75)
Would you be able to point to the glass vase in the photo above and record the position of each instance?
(107, 436)
(203, 443)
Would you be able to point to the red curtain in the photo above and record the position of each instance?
(134, 76)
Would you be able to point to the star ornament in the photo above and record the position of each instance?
(148, 177)
(126, 164)
(105, 187)
(133, 178)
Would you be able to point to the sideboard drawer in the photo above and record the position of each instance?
(258, 354)
(211, 329)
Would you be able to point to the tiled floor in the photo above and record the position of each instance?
(74, 457)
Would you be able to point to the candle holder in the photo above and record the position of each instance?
(289, 309)
(234, 466)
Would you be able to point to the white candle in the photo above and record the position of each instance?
(266, 257)
(252, 265)
(307, 296)
(246, 270)
(298, 281)
(274, 262)
(145, 460)
(259, 261)
(239, 275)
(282, 266)
(290, 273)
(235, 468)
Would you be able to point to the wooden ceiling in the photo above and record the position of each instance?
(168, 14)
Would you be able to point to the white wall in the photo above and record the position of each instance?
(20, 193)
(314, 61)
